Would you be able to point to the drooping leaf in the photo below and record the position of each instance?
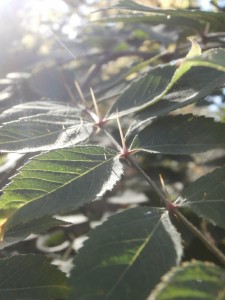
(59, 181)
(181, 134)
(31, 277)
(206, 197)
(191, 281)
(120, 257)
(43, 132)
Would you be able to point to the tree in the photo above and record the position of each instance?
(135, 102)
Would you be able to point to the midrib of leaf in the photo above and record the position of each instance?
(141, 248)
(207, 64)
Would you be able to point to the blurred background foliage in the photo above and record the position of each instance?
(47, 45)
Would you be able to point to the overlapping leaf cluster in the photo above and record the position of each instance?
(127, 255)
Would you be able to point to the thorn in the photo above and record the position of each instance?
(163, 185)
(124, 148)
(80, 92)
(169, 205)
(95, 103)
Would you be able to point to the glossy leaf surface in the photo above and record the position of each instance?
(120, 257)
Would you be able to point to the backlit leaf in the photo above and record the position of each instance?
(28, 109)
(59, 181)
(120, 257)
(43, 132)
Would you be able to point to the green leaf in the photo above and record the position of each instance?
(192, 281)
(213, 58)
(28, 109)
(59, 181)
(181, 134)
(23, 230)
(143, 92)
(200, 72)
(189, 89)
(31, 277)
(43, 132)
(206, 197)
(125, 257)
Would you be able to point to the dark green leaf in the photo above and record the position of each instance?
(31, 277)
(206, 197)
(192, 281)
(59, 181)
(193, 80)
(121, 256)
(43, 132)
(23, 230)
(144, 91)
(181, 134)
(189, 89)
